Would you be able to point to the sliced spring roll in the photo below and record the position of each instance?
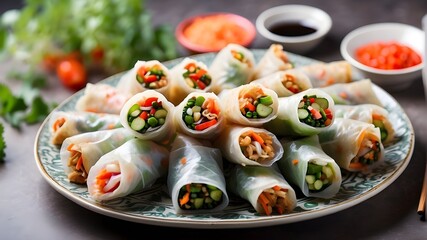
(250, 104)
(146, 75)
(369, 113)
(357, 92)
(101, 98)
(307, 166)
(67, 124)
(80, 152)
(264, 187)
(149, 116)
(303, 114)
(249, 146)
(133, 167)
(189, 76)
(274, 60)
(196, 181)
(286, 83)
(199, 115)
(232, 66)
(355, 146)
(326, 74)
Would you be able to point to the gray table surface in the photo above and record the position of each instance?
(31, 209)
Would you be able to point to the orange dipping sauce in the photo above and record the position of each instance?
(214, 31)
(387, 55)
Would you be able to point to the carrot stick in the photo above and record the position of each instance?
(184, 199)
(79, 162)
(257, 138)
(264, 203)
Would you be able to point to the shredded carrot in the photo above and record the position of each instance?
(277, 187)
(184, 199)
(183, 160)
(295, 161)
(361, 137)
(356, 165)
(214, 32)
(79, 163)
(250, 106)
(262, 199)
(70, 147)
(257, 138)
(58, 123)
(377, 117)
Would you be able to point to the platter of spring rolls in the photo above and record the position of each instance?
(234, 139)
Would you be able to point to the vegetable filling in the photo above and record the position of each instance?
(254, 103)
(369, 152)
(314, 111)
(289, 83)
(318, 177)
(275, 199)
(78, 174)
(239, 56)
(257, 146)
(152, 78)
(196, 77)
(108, 178)
(199, 196)
(378, 122)
(200, 113)
(146, 116)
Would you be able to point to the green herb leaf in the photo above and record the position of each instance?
(39, 110)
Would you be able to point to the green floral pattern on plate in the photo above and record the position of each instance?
(154, 206)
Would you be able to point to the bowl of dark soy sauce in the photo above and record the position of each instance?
(299, 28)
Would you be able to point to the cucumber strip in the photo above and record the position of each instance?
(161, 113)
(134, 111)
(216, 195)
(302, 113)
(315, 106)
(263, 111)
(266, 100)
(137, 124)
(323, 102)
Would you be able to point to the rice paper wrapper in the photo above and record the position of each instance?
(250, 181)
(202, 165)
(208, 133)
(326, 74)
(357, 92)
(92, 146)
(179, 87)
(162, 134)
(342, 143)
(276, 81)
(67, 124)
(229, 144)
(231, 105)
(141, 164)
(367, 113)
(228, 72)
(273, 60)
(101, 98)
(287, 122)
(130, 85)
(306, 150)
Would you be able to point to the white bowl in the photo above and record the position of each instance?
(311, 16)
(408, 35)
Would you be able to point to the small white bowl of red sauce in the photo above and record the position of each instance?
(390, 54)
(299, 28)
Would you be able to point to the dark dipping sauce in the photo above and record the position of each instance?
(292, 28)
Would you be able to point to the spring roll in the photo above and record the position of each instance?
(133, 167)
(250, 104)
(264, 187)
(369, 113)
(146, 75)
(199, 115)
(303, 114)
(80, 152)
(149, 116)
(357, 92)
(67, 124)
(249, 146)
(307, 166)
(189, 76)
(101, 98)
(274, 60)
(196, 181)
(286, 83)
(326, 74)
(232, 66)
(355, 146)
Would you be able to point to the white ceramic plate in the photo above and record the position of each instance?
(154, 206)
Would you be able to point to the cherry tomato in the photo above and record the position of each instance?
(72, 74)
